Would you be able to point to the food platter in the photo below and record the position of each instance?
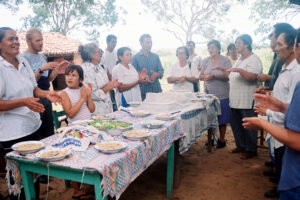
(136, 134)
(139, 113)
(111, 146)
(164, 117)
(53, 154)
(135, 103)
(153, 124)
(111, 127)
(81, 122)
(104, 117)
(28, 147)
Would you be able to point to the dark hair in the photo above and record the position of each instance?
(190, 42)
(230, 47)
(297, 39)
(87, 50)
(77, 68)
(216, 43)
(289, 37)
(3, 31)
(110, 37)
(185, 50)
(142, 38)
(121, 52)
(246, 39)
(281, 28)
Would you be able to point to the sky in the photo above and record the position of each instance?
(138, 21)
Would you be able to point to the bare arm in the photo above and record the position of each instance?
(123, 87)
(248, 76)
(30, 102)
(192, 79)
(175, 79)
(286, 136)
(70, 110)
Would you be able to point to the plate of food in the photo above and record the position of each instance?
(153, 124)
(165, 117)
(112, 127)
(28, 147)
(81, 122)
(135, 103)
(136, 134)
(104, 117)
(139, 113)
(197, 100)
(111, 146)
(53, 154)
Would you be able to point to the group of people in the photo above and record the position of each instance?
(110, 79)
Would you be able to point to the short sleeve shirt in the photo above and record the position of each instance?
(16, 84)
(290, 176)
(109, 60)
(241, 91)
(36, 61)
(217, 87)
(177, 71)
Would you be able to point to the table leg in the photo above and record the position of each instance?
(98, 192)
(27, 179)
(170, 171)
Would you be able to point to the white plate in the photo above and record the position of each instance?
(104, 117)
(134, 103)
(198, 100)
(81, 122)
(15, 147)
(152, 124)
(139, 113)
(136, 132)
(123, 146)
(164, 117)
(57, 154)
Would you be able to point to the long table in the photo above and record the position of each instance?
(109, 173)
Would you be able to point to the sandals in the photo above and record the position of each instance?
(248, 154)
(236, 150)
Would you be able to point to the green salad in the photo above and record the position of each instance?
(109, 124)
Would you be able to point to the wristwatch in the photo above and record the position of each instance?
(40, 71)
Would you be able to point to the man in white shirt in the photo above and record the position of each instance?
(109, 60)
(194, 60)
(283, 89)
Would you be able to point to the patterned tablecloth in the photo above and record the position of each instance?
(118, 170)
(195, 122)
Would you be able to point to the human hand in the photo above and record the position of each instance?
(89, 89)
(233, 70)
(83, 92)
(154, 75)
(50, 65)
(219, 68)
(261, 90)
(254, 123)
(269, 102)
(208, 77)
(262, 77)
(260, 109)
(54, 97)
(33, 104)
(181, 79)
(115, 83)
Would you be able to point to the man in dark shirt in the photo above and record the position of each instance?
(145, 59)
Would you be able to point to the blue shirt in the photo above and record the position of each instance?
(151, 63)
(36, 61)
(290, 174)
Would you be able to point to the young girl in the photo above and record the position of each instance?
(78, 105)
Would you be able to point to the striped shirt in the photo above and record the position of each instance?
(84, 112)
(151, 63)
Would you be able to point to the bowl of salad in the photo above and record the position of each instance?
(112, 127)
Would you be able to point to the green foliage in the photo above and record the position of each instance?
(65, 16)
(267, 12)
(191, 17)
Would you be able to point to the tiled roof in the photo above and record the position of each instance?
(55, 44)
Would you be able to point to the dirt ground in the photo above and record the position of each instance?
(203, 176)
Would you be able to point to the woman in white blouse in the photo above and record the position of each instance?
(129, 79)
(182, 75)
(96, 74)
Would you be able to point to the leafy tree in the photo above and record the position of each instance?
(189, 17)
(267, 12)
(65, 16)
